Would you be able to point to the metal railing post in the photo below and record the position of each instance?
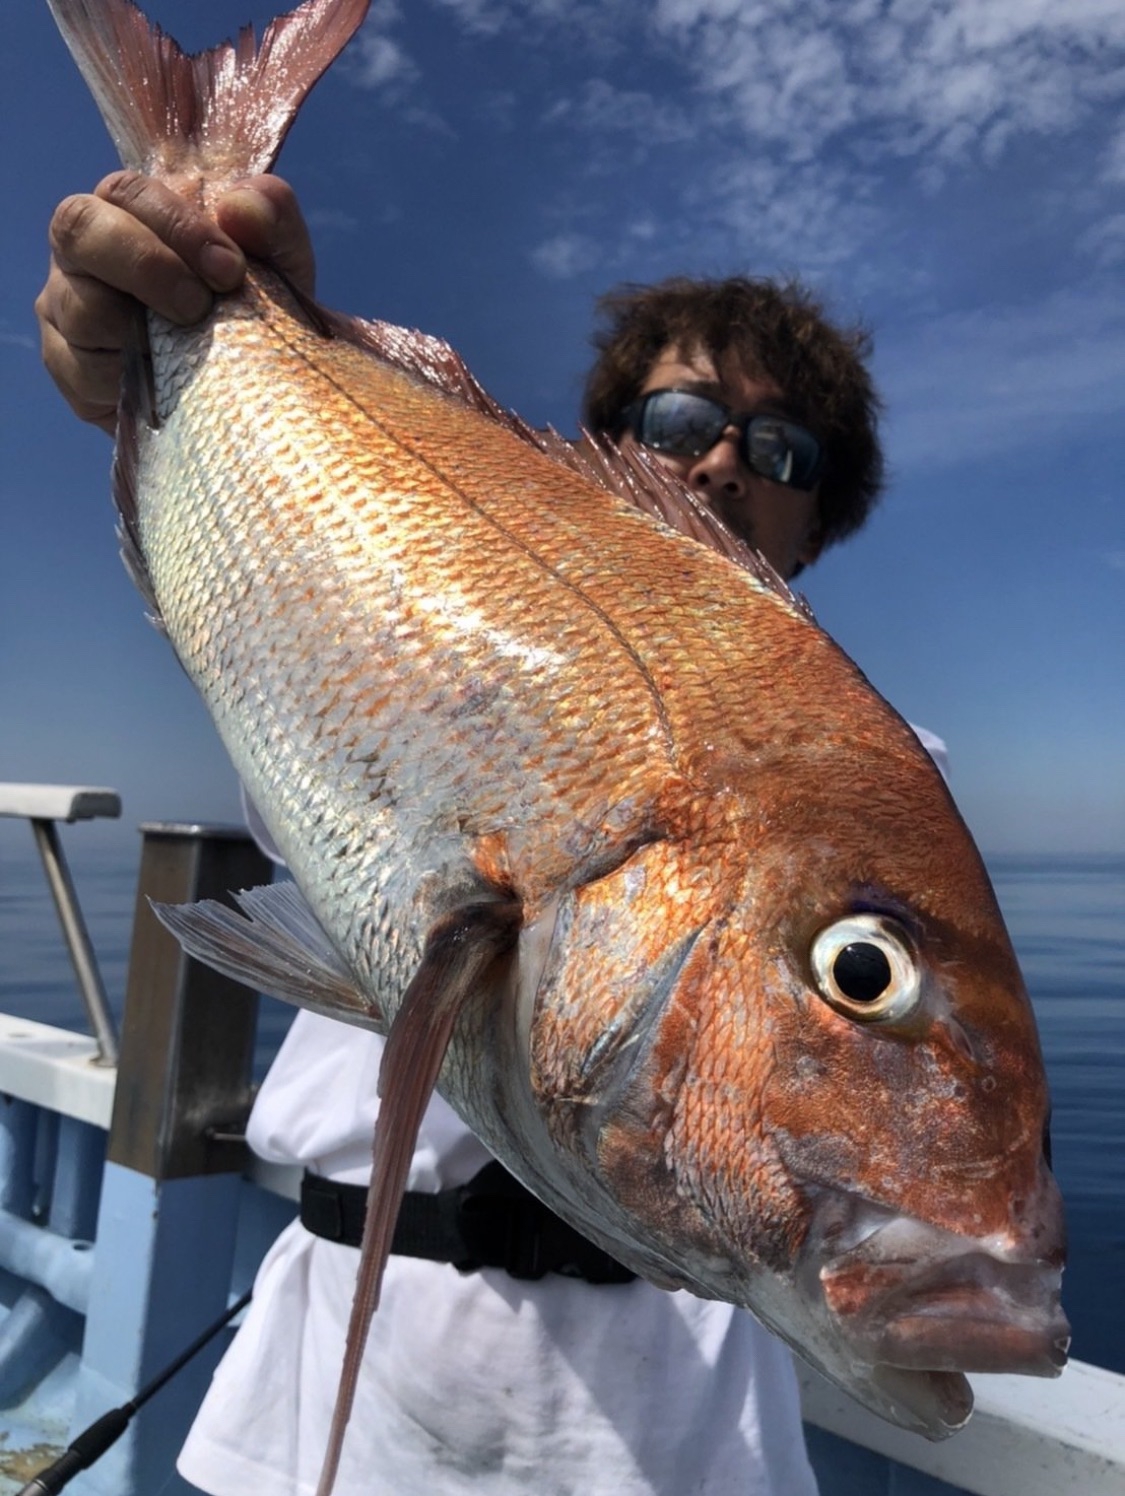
(77, 938)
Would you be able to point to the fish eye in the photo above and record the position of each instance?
(865, 968)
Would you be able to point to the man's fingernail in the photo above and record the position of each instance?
(191, 300)
(222, 268)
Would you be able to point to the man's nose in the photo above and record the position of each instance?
(720, 472)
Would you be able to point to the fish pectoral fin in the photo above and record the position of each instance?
(459, 949)
(273, 943)
(136, 414)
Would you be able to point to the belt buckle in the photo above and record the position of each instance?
(523, 1241)
(500, 1229)
(321, 1210)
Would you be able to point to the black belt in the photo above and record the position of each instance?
(490, 1222)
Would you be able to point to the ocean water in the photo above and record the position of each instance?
(36, 976)
(1067, 920)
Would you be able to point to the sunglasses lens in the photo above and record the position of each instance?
(678, 422)
(781, 451)
(684, 424)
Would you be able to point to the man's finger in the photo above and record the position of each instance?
(180, 225)
(96, 239)
(89, 314)
(262, 214)
(90, 383)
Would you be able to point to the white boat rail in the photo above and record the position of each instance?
(42, 805)
(1028, 1436)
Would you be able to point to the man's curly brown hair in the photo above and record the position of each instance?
(776, 330)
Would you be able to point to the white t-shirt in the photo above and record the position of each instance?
(474, 1384)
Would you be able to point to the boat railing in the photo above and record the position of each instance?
(42, 806)
(125, 1263)
(123, 1221)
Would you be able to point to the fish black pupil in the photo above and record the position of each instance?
(862, 972)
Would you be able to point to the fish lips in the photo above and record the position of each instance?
(969, 1313)
(919, 1299)
(906, 1308)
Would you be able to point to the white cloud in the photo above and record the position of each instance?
(484, 16)
(1115, 158)
(488, 17)
(329, 219)
(932, 75)
(376, 59)
(805, 111)
(602, 108)
(988, 381)
(565, 255)
(382, 60)
(810, 122)
(1104, 242)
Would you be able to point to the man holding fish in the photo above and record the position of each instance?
(593, 825)
(648, 1392)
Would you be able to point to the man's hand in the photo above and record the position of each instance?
(133, 240)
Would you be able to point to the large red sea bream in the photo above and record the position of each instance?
(614, 843)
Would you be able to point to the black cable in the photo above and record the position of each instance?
(93, 1442)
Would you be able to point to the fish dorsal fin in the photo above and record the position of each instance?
(426, 357)
(274, 945)
(459, 950)
(229, 108)
(636, 475)
(632, 473)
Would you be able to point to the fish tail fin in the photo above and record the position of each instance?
(225, 111)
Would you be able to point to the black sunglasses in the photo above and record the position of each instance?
(686, 424)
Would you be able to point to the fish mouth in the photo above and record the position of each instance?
(908, 1308)
(969, 1313)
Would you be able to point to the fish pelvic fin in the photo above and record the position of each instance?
(273, 943)
(459, 949)
(227, 110)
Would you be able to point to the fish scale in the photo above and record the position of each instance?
(586, 811)
(456, 583)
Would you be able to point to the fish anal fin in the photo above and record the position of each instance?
(273, 943)
(459, 949)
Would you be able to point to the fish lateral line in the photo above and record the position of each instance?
(631, 474)
(517, 542)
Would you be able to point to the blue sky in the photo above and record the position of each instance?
(952, 172)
